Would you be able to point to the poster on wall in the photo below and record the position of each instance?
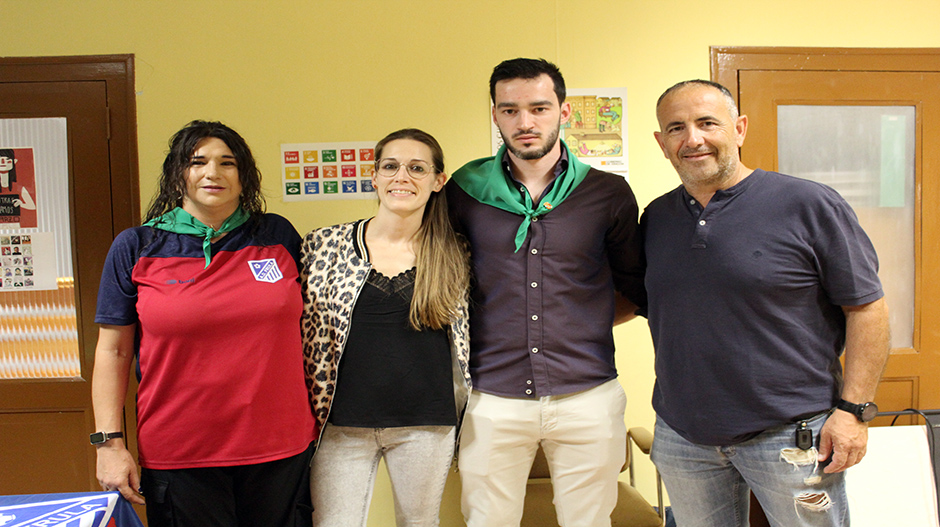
(35, 239)
(327, 171)
(596, 132)
(17, 188)
(27, 262)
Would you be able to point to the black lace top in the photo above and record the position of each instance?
(391, 375)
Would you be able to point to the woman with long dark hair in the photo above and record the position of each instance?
(205, 294)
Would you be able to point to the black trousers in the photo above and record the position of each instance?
(275, 494)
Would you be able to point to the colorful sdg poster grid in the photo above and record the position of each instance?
(327, 171)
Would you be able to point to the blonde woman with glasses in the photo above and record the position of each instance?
(385, 341)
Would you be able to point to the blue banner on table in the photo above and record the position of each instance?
(100, 509)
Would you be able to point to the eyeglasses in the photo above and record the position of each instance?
(416, 169)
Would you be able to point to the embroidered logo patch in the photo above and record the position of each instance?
(265, 270)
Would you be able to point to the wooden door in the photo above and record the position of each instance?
(762, 79)
(863, 78)
(45, 423)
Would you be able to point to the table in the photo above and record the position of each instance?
(893, 485)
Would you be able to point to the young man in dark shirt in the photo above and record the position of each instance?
(556, 260)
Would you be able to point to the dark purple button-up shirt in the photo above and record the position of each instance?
(541, 318)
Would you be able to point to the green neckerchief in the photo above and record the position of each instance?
(182, 222)
(485, 181)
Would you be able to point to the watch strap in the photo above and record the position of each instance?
(103, 437)
(858, 410)
(846, 406)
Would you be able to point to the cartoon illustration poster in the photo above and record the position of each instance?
(597, 131)
(327, 171)
(17, 188)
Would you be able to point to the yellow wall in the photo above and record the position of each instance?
(316, 71)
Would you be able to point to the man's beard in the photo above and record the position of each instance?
(538, 153)
(724, 170)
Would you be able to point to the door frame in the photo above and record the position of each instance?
(117, 72)
(726, 61)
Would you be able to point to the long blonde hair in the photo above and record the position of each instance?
(443, 268)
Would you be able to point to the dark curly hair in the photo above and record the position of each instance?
(178, 160)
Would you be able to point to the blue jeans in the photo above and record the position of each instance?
(708, 485)
(344, 467)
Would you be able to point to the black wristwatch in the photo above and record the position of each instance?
(863, 412)
(99, 438)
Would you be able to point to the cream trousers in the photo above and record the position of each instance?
(584, 440)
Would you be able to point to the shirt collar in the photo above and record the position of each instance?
(724, 194)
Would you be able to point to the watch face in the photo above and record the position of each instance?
(103, 437)
(869, 411)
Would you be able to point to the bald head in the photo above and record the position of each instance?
(729, 99)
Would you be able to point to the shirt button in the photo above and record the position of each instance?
(701, 222)
(535, 219)
(529, 381)
(535, 251)
(535, 317)
(534, 284)
(528, 392)
(535, 350)
(692, 202)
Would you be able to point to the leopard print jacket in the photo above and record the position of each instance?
(334, 270)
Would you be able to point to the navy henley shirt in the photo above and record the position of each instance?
(745, 301)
